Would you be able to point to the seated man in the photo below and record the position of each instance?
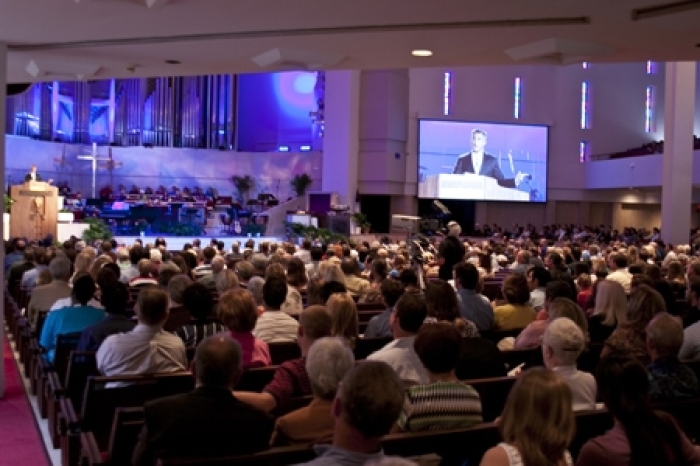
(145, 277)
(444, 402)
(365, 408)
(115, 298)
(71, 319)
(147, 349)
(408, 316)
(668, 378)
(328, 361)
(291, 379)
(275, 325)
(473, 306)
(209, 421)
(563, 343)
(378, 326)
(44, 296)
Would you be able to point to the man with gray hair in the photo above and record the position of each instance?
(563, 343)
(327, 362)
(668, 378)
(226, 280)
(209, 421)
(44, 296)
(365, 409)
(217, 265)
(255, 286)
(259, 262)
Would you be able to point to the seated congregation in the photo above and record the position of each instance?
(337, 355)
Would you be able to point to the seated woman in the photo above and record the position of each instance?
(537, 424)
(516, 313)
(199, 303)
(239, 314)
(532, 335)
(444, 402)
(563, 343)
(629, 338)
(296, 274)
(443, 306)
(327, 362)
(609, 311)
(640, 434)
(344, 319)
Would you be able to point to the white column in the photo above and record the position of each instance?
(341, 136)
(3, 102)
(677, 187)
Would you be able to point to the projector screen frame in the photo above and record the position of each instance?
(477, 123)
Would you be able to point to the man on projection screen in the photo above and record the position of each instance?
(479, 162)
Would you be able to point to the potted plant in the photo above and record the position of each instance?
(300, 183)
(8, 203)
(361, 221)
(243, 184)
(98, 230)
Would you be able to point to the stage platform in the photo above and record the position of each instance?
(176, 243)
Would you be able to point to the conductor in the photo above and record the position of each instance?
(479, 162)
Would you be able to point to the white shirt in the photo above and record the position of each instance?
(691, 342)
(477, 160)
(144, 350)
(583, 387)
(276, 326)
(537, 297)
(401, 356)
(68, 302)
(623, 277)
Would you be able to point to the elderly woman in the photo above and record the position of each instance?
(255, 286)
(517, 313)
(327, 362)
(563, 343)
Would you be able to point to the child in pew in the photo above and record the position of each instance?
(444, 402)
(537, 424)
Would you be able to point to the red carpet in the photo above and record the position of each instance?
(20, 440)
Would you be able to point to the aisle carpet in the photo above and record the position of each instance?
(20, 440)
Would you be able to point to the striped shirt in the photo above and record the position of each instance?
(440, 405)
(276, 326)
(194, 332)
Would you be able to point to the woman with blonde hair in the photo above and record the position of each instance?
(344, 320)
(533, 335)
(238, 312)
(629, 338)
(81, 265)
(537, 424)
(610, 310)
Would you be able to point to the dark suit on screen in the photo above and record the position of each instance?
(489, 167)
(207, 422)
(28, 177)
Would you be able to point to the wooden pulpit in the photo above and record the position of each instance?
(34, 213)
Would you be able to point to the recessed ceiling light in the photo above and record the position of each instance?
(172, 62)
(422, 53)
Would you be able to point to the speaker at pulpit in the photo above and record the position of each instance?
(35, 210)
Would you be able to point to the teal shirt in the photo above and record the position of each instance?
(67, 320)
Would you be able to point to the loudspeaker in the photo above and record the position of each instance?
(17, 89)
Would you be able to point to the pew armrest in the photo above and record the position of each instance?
(91, 452)
(70, 420)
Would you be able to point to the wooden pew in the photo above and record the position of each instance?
(284, 351)
(101, 400)
(65, 345)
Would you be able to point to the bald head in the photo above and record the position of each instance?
(218, 362)
(315, 322)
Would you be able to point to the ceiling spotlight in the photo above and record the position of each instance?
(422, 53)
(172, 62)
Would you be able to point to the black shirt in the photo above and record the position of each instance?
(452, 252)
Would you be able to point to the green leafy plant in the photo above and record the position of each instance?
(300, 183)
(299, 230)
(98, 229)
(8, 202)
(361, 221)
(243, 184)
(254, 229)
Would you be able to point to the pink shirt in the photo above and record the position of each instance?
(613, 449)
(256, 353)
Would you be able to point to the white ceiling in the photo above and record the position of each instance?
(69, 39)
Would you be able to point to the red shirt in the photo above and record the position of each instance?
(290, 381)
